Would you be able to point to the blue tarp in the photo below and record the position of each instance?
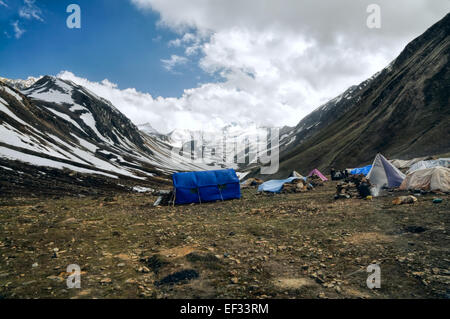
(361, 170)
(275, 186)
(207, 186)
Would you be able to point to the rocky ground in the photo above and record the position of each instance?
(304, 245)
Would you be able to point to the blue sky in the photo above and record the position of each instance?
(116, 41)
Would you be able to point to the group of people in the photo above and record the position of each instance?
(338, 175)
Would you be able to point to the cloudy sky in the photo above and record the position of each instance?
(201, 64)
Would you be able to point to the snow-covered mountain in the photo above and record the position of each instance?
(234, 145)
(148, 129)
(20, 84)
(57, 124)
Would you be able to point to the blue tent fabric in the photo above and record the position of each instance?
(206, 186)
(361, 170)
(275, 186)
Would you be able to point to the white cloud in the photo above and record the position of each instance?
(192, 111)
(170, 64)
(3, 4)
(30, 11)
(18, 32)
(279, 60)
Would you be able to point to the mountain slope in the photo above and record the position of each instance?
(403, 111)
(58, 125)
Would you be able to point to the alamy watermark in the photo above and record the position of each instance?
(74, 19)
(374, 19)
(74, 279)
(374, 279)
(222, 149)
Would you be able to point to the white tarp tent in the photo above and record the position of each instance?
(402, 164)
(384, 174)
(431, 179)
(444, 162)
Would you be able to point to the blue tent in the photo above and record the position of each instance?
(361, 170)
(275, 185)
(207, 186)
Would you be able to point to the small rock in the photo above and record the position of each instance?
(35, 265)
(70, 221)
(144, 270)
(435, 271)
(234, 280)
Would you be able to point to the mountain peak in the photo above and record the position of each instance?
(20, 84)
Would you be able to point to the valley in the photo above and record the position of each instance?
(305, 245)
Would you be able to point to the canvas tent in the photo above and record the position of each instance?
(384, 174)
(434, 179)
(275, 186)
(444, 162)
(361, 170)
(318, 174)
(206, 186)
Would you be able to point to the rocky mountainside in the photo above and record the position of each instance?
(56, 125)
(402, 111)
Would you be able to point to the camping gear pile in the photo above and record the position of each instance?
(404, 200)
(353, 187)
(294, 184)
(297, 186)
(276, 185)
(315, 181)
(251, 182)
(165, 198)
(338, 175)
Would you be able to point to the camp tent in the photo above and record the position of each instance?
(384, 174)
(296, 174)
(361, 170)
(206, 186)
(434, 179)
(317, 173)
(402, 164)
(275, 185)
(444, 162)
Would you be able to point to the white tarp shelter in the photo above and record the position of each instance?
(402, 164)
(429, 179)
(384, 174)
(444, 162)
